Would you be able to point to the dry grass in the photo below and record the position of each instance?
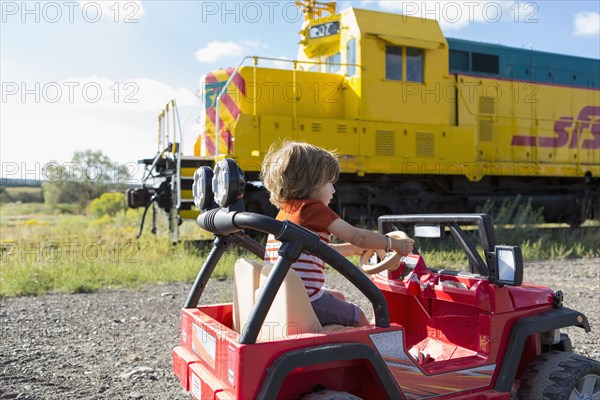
(43, 250)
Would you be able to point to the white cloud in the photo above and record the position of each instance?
(117, 117)
(255, 44)
(216, 51)
(136, 94)
(125, 11)
(587, 24)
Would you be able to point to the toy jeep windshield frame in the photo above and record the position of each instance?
(491, 267)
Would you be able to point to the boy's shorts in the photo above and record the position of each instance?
(331, 310)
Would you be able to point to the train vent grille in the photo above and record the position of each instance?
(486, 130)
(487, 108)
(342, 128)
(385, 143)
(316, 127)
(424, 144)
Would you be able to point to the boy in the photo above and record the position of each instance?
(300, 178)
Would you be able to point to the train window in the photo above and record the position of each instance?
(333, 63)
(351, 56)
(414, 65)
(393, 63)
(487, 63)
(459, 60)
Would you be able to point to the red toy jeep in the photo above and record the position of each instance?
(437, 333)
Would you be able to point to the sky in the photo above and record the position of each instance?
(80, 75)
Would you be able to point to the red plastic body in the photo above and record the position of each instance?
(459, 324)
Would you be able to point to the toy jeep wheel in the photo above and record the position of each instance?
(558, 375)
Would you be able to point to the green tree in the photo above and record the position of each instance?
(89, 174)
(5, 196)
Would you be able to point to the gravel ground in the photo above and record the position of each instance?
(116, 344)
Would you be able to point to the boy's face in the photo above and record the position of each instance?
(324, 193)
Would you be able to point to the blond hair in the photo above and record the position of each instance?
(293, 170)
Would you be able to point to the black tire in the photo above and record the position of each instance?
(330, 395)
(557, 375)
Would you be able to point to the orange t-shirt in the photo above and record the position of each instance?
(315, 216)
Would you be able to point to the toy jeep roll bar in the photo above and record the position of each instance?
(295, 239)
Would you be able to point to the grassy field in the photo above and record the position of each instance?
(45, 250)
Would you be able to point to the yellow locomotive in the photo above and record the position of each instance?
(422, 123)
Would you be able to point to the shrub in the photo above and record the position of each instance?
(515, 220)
(108, 204)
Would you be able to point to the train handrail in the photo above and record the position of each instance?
(179, 151)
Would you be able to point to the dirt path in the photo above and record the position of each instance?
(117, 344)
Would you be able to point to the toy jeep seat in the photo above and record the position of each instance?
(246, 279)
(291, 312)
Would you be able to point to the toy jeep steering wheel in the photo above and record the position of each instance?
(390, 261)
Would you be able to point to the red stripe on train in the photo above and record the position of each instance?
(239, 82)
(226, 98)
(210, 145)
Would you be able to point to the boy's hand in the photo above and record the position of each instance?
(403, 246)
(408, 246)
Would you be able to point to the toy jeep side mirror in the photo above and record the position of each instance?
(508, 266)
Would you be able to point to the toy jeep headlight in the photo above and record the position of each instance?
(202, 188)
(228, 183)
